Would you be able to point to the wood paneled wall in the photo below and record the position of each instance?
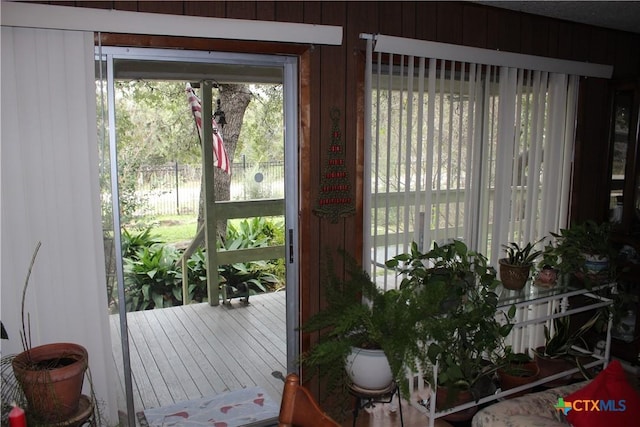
(334, 73)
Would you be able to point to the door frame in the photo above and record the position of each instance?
(295, 68)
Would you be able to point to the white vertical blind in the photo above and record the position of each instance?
(50, 193)
(463, 150)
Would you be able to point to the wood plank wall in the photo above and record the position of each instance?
(335, 71)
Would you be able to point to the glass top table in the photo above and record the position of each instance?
(533, 293)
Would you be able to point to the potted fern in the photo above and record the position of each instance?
(359, 320)
(515, 268)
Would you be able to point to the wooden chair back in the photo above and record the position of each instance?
(299, 408)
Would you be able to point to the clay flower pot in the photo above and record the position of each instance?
(51, 377)
(512, 276)
(445, 401)
(518, 374)
(551, 366)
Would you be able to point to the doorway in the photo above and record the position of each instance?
(209, 356)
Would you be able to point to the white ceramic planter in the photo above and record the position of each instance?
(595, 264)
(369, 369)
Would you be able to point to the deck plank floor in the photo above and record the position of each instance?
(191, 351)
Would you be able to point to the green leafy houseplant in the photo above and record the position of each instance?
(463, 329)
(512, 363)
(516, 266)
(359, 314)
(584, 250)
(561, 347)
(560, 343)
(521, 255)
(516, 369)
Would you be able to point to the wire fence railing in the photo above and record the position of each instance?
(174, 189)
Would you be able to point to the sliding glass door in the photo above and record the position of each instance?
(153, 177)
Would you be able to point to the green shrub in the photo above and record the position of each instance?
(197, 266)
(132, 242)
(256, 232)
(254, 276)
(251, 277)
(152, 279)
(153, 274)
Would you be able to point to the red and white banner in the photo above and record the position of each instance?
(220, 157)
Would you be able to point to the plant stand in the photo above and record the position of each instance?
(368, 398)
(535, 307)
(84, 415)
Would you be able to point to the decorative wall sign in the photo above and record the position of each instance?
(335, 200)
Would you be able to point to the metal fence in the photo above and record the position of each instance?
(174, 189)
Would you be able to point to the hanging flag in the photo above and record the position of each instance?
(220, 157)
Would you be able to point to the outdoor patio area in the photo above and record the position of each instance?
(187, 352)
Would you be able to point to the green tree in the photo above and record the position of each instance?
(262, 135)
(155, 125)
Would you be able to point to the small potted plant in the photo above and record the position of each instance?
(561, 349)
(547, 276)
(515, 370)
(50, 375)
(583, 250)
(516, 266)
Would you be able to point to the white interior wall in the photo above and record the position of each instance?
(50, 193)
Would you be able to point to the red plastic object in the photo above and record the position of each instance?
(17, 417)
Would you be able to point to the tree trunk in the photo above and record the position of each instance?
(234, 100)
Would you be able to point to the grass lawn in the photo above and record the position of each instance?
(175, 228)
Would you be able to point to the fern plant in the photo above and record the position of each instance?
(359, 314)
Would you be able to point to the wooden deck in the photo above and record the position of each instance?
(188, 352)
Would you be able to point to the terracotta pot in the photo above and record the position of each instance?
(444, 401)
(51, 377)
(549, 366)
(513, 277)
(509, 381)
